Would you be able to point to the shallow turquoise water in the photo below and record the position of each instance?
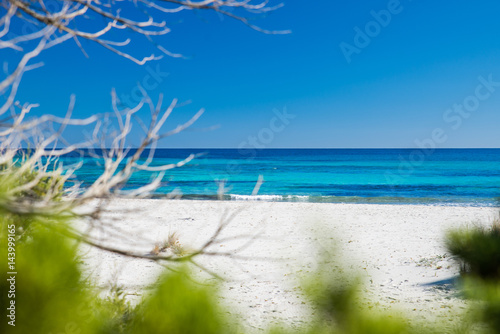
(443, 176)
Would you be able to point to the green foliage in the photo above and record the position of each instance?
(180, 306)
(50, 296)
(15, 206)
(16, 173)
(336, 298)
(115, 311)
(339, 312)
(478, 249)
(487, 296)
(44, 185)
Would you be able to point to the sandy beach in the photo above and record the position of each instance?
(397, 250)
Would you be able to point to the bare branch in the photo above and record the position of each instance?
(51, 24)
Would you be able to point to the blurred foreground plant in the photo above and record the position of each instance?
(51, 295)
(486, 307)
(478, 250)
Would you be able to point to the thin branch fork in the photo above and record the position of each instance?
(56, 26)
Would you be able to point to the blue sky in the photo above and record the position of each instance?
(396, 91)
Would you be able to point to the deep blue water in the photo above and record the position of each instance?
(406, 176)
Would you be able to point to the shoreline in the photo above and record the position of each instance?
(320, 199)
(397, 250)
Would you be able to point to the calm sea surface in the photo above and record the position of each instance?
(404, 176)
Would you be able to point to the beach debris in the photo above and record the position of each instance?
(171, 244)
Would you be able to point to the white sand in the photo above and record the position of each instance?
(397, 249)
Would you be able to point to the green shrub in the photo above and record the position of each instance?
(340, 312)
(19, 172)
(45, 185)
(177, 306)
(341, 308)
(50, 295)
(478, 250)
(16, 206)
(486, 297)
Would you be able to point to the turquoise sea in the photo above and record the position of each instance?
(403, 176)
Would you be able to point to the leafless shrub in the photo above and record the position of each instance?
(50, 23)
(172, 243)
(156, 250)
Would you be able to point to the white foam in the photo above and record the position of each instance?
(271, 198)
(268, 198)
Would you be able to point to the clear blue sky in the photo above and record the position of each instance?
(395, 90)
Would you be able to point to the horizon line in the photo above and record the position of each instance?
(296, 148)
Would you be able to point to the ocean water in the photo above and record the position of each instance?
(402, 176)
